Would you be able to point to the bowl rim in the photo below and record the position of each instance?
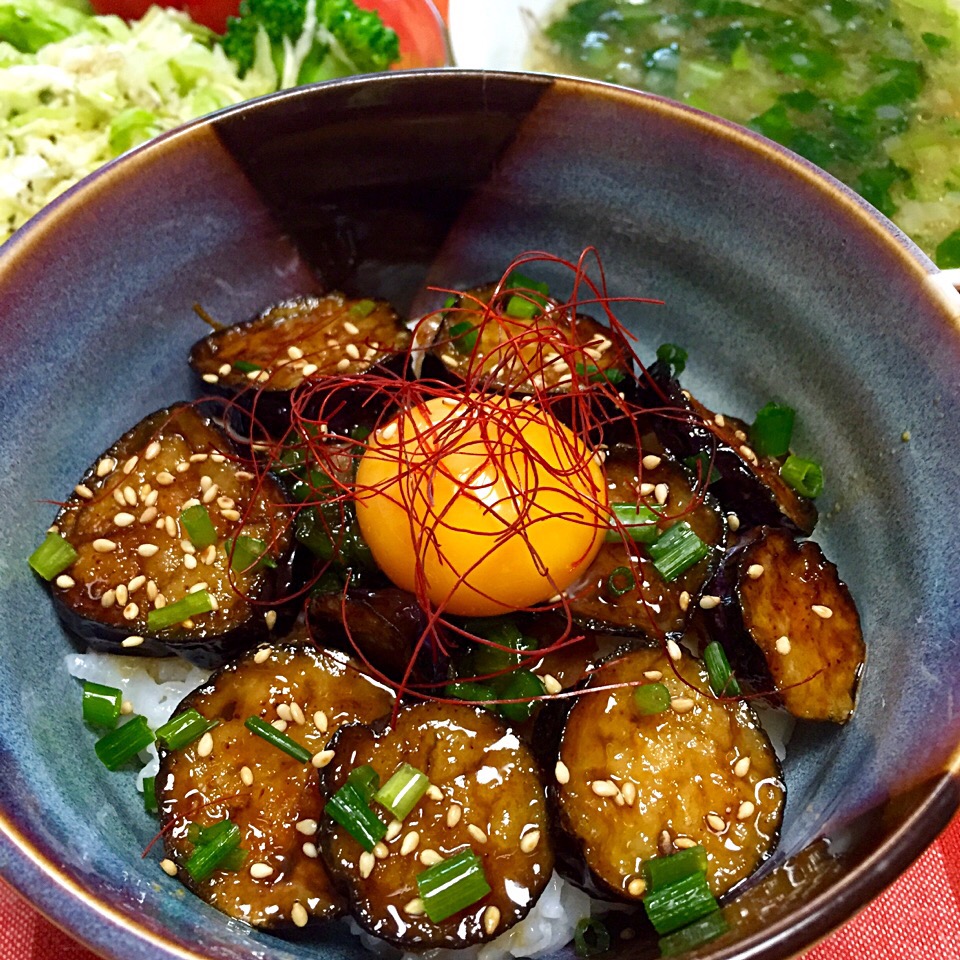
(106, 930)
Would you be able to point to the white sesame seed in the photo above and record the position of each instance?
(294, 353)
(529, 841)
(131, 464)
(132, 641)
(148, 515)
(561, 772)
(551, 684)
(296, 712)
(280, 725)
(170, 526)
(190, 562)
(709, 601)
(434, 792)
(491, 919)
(210, 378)
(343, 364)
(394, 827)
(388, 432)
(414, 908)
(454, 813)
(246, 776)
(147, 549)
(118, 496)
(209, 555)
(224, 369)
(102, 545)
(153, 449)
(105, 466)
(152, 590)
(299, 915)
(745, 810)
(225, 503)
(182, 467)
(604, 788)
(647, 488)
(160, 601)
(108, 598)
(660, 493)
(283, 712)
(197, 587)
(636, 887)
(748, 454)
(130, 496)
(168, 867)
(219, 458)
(673, 650)
(681, 704)
(352, 351)
(653, 675)
(65, 582)
(629, 792)
(783, 645)
(651, 461)
(684, 600)
(429, 857)
(320, 721)
(322, 758)
(82, 490)
(151, 497)
(198, 457)
(230, 514)
(380, 851)
(410, 842)
(307, 827)
(131, 611)
(310, 850)
(211, 494)
(824, 613)
(733, 522)
(755, 571)
(165, 478)
(262, 654)
(254, 374)
(715, 823)
(742, 767)
(478, 835)
(448, 360)
(684, 843)
(126, 708)
(205, 746)
(366, 864)
(260, 871)
(350, 328)
(123, 594)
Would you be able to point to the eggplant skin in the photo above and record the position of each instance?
(631, 786)
(479, 769)
(132, 497)
(771, 588)
(749, 486)
(281, 792)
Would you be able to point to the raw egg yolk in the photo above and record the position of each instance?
(481, 505)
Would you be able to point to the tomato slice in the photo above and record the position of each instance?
(211, 13)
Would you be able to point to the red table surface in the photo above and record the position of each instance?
(916, 919)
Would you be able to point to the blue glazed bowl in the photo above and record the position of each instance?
(779, 280)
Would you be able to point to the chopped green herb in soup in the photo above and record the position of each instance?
(867, 89)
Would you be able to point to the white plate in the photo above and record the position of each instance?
(494, 34)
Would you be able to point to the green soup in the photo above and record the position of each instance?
(869, 90)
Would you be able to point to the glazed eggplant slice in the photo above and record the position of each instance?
(271, 797)
(790, 625)
(292, 344)
(181, 548)
(624, 590)
(747, 485)
(486, 794)
(518, 340)
(630, 785)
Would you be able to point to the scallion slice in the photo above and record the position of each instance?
(520, 685)
(651, 698)
(677, 550)
(123, 744)
(280, 740)
(662, 871)
(173, 613)
(150, 794)
(520, 281)
(470, 692)
(621, 581)
(249, 553)
(504, 650)
(704, 930)
(805, 476)
(674, 906)
(245, 366)
(522, 307)
(348, 808)
(53, 556)
(595, 375)
(637, 521)
(363, 308)
(365, 780)
(464, 336)
(101, 705)
(772, 429)
(212, 854)
(452, 885)
(590, 938)
(530, 299)
(403, 790)
(674, 357)
(722, 681)
(198, 525)
(184, 728)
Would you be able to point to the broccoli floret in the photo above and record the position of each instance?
(311, 39)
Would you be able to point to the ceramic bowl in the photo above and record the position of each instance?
(779, 281)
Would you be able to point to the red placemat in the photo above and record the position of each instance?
(916, 919)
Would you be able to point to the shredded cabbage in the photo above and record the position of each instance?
(79, 101)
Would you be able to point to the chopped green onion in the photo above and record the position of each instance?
(677, 551)
(595, 375)
(449, 302)
(470, 692)
(662, 871)
(348, 808)
(189, 606)
(452, 885)
(365, 780)
(200, 836)
(280, 740)
(637, 521)
(520, 281)
(211, 855)
(518, 686)
(700, 464)
(245, 366)
(772, 429)
(674, 357)
(464, 336)
(590, 938)
(621, 581)
(123, 744)
(101, 705)
(704, 930)
(184, 728)
(651, 698)
(722, 681)
(200, 530)
(674, 906)
(248, 553)
(502, 652)
(521, 307)
(805, 476)
(53, 556)
(363, 308)
(150, 794)
(401, 793)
